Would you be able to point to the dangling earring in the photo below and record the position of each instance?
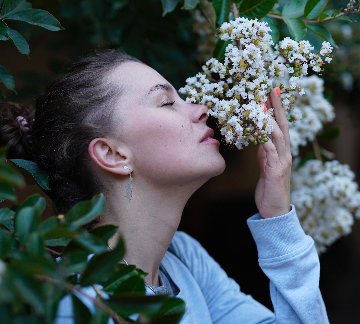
(129, 188)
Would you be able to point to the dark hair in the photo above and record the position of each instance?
(74, 109)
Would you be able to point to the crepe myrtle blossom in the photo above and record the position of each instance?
(310, 112)
(236, 90)
(326, 198)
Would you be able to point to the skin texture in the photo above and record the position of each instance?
(158, 136)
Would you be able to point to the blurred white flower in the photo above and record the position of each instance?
(326, 198)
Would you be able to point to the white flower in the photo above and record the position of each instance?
(238, 88)
(326, 199)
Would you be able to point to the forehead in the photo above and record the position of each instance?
(135, 78)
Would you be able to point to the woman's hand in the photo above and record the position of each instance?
(272, 194)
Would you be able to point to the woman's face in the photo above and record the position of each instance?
(163, 133)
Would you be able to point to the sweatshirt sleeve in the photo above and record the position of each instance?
(289, 259)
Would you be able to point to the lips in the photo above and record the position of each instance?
(208, 134)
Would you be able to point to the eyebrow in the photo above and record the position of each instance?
(165, 86)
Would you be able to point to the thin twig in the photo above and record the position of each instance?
(308, 21)
(72, 288)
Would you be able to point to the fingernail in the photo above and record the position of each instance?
(278, 92)
(265, 108)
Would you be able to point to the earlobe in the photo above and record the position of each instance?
(107, 156)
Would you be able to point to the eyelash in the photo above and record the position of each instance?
(169, 103)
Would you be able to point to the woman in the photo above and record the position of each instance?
(115, 125)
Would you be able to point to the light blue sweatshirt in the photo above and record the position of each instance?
(286, 255)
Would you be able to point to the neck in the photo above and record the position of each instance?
(147, 223)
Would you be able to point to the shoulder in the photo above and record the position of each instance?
(184, 244)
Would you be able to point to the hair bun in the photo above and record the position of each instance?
(15, 129)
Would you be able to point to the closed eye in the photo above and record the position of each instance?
(168, 103)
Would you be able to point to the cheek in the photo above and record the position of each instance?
(161, 146)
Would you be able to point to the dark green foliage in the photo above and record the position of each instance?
(34, 279)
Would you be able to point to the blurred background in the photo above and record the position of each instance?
(176, 45)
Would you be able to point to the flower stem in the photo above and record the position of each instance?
(316, 148)
(70, 288)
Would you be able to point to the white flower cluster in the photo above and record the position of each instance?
(326, 198)
(236, 90)
(310, 111)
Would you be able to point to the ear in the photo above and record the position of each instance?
(109, 156)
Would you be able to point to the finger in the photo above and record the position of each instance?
(280, 114)
(261, 156)
(272, 157)
(279, 141)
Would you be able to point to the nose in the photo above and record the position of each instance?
(200, 113)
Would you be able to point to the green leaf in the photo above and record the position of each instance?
(86, 211)
(294, 8)
(329, 134)
(26, 221)
(273, 24)
(13, 6)
(41, 178)
(101, 266)
(313, 8)
(169, 5)
(35, 244)
(191, 4)
(37, 17)
(296, 27)
(75, 261)
(6, 214)
(3, 31)
(104, 232)
(6, 78)
(171, 311)
(219, 51)
(5, 244)
(322, 32)
(19, 41)
(255, 9)
(222, 9)
(34, 201)
(125, 280)
(8, 175)
(30, 291)
(7, 192)
(82, 314)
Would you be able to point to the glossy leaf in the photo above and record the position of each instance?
(88, 242)
(5, 244)
(222, 9)
(35, 201)
(13, 6)
(6, 214)
(104, 232)
(322, 32)
(35, 244)
(7, 192)
(169, 5)
(82, 314)
(3, 31)
(190, 4)
(26, 221)
(313, 8)
(296, 27)
(294, 8)
(6, 78)
(86, 211)
(39, 176)
(255, 9)
(37, 17)
(8, 175)
(125, 279)
(19, 41)
(171, 311)
(101, 266)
